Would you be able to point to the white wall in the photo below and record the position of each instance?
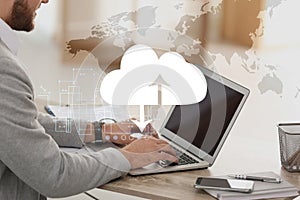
(283, 29)
(47, 20)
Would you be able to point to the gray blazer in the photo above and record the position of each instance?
(31, 164)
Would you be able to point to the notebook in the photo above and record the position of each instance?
(262, 190)
(198, 131)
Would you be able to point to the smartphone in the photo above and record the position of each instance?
(224, 184)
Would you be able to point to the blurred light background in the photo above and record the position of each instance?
(226, 30)
(268, 29)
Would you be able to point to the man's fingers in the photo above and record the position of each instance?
(158, 141)
(149, 130)
(165, 156)
(155, 134)
(161, 146)
(167, 149)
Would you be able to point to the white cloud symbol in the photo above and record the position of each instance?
(145, 79)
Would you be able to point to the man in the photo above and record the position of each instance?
(31, 164)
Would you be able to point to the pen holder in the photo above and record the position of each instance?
(289, 140)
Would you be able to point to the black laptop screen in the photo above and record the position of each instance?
(204, 124)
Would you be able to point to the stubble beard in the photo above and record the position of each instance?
(22, 17)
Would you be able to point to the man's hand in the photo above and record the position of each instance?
(145, 151)
(119, 133)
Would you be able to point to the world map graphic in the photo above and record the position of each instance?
(116, 30)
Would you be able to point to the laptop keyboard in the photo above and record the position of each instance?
(183, 159)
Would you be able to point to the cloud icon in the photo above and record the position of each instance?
(145, 79)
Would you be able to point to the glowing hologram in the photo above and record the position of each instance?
(63, 125)
(178, 82)
(44, 95)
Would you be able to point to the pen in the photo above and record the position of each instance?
(258, 178)
(49, 111)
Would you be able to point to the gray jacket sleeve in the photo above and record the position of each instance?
(33, 156)
(65, 132)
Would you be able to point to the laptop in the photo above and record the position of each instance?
(197, 132)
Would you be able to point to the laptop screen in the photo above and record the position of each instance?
(206, 124)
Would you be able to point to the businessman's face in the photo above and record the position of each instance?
(23, 14)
